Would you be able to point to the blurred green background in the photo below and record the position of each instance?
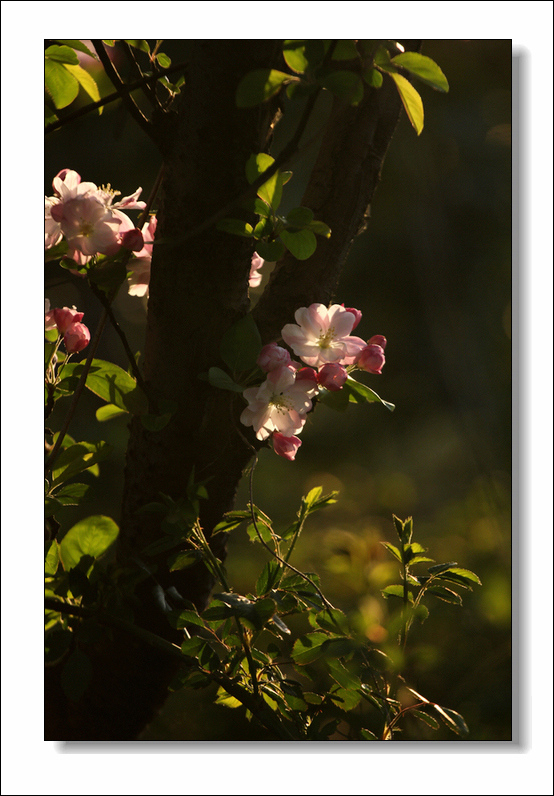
(432, 273)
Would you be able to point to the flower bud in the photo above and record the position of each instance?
(132, 239)
(332, 376)
(76, 337)
(285, 446)
(356, 313)
(66, 317)
(272, 356)
(371, 359)
(378, 339)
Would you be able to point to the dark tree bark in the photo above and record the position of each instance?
(198, 288)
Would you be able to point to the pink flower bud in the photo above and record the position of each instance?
(285, 446)
(371, 359)
(272, 356)
(132, 239)
(65, 318)
(356, 313)
(378, 339)
(307, 374)
(332, 376)
(76, 337)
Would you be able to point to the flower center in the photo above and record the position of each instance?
(280, 402)
(327, 338)
(86, 229)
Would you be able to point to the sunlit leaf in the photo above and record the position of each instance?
(411, 100)
(76, 458)
(91, 536)
(260, 85)
(360, 393)
(76, 44)
(301, 244)
(59, 83)
(61, 53)
(422, 67)
(85, 80)
(235, 227)
(394, 550)
(109, 411)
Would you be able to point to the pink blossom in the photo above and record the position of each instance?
(332, 376)
(49, 320)
(323, 335)
(89, 226)
(65, 317)
(67, 186)
(52, 229)
(371, 359)
(139, 267)
(255, 277)
(76, 337)
(378, 339)
(285, 446)
(307, 377)
(272, 356)
(356, 313)
(132, 239)
(279, 404)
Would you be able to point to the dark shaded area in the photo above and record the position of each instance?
(433, 274)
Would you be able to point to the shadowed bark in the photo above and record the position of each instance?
(198, 288)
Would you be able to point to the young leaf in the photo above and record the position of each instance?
(393, 550)
(411, 100)
(60, 85)
(90, 537)
(76, 44)
(301, 244)
(85, 80)
(218, 378)
(109, 411)
(260, 85)
(235, 227)
(62, 54)
(294, 53)
(424, 68)
(76, 458)
(359, 393)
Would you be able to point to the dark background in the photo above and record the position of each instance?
(432, 273)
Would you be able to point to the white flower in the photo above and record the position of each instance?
(323, 335)
(279, 404)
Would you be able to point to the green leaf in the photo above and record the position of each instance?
(76, 458)
(225, 699)
(52, 559)
(263, 530)
(269, 577)
(320, 228)
(260, 85)
(301, 244)
(411, 100)
(111, 383)
(373, 77)
(241, 344)
(270, 251)
(346, 85)
(85, 80)
(235, 227)
(138, 44)
(71, 494)
(76, 44)
(272, 190)
(424, 68)
(186, 619)
(300, 217)
(394, 550)
(463, 574)
(76, 675)
(359, 393)
(166, 410)
(452, 720)
(60, 85)
(109, 411)
(337, 399)
(425, 717)
(220, 379)
(62, 54)
(438, 568)
(91, 536)
(394, 591)
(444, 594)
(163, 60)
(367, 735)
(345, 699)
(308, 648)
(345, 50)
(294, 53)
(184, 560)
(341, 674)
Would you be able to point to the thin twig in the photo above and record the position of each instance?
(116, 95)
(118, 84)
(148, 90)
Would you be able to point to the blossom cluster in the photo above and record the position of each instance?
(92, 223)
(76, 335)
(322, 339)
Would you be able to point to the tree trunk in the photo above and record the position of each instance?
(198, 288)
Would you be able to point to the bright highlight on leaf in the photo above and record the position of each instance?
(411, 100)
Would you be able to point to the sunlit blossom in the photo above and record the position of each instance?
(279, 404)
(322, 334)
